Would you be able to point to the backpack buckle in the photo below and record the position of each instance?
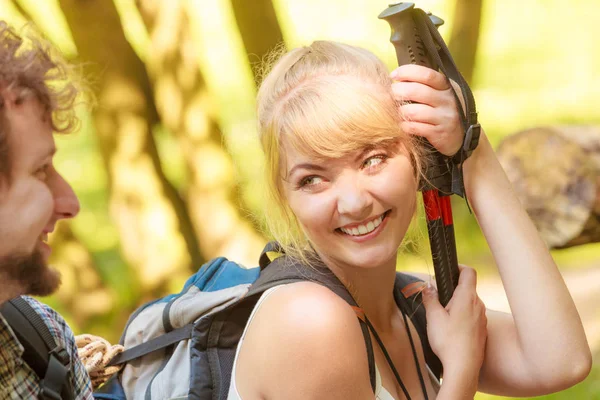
(471, 140)
(470, 143)
(56, 375)
(49, 394)
(61, 355)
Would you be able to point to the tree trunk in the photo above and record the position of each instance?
(260, 30)
(555, 172)
(186, 109)
(465, 36)
(156, 233)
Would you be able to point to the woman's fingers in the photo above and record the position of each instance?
(433, 133)
(418, 73)
(416, 92)
(424, 113)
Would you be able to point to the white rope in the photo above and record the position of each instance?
(96, 353)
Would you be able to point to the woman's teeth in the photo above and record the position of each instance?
(364, 229)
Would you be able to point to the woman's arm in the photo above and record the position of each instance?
(542, 347)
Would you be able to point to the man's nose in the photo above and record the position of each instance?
(66, 203)
(353, 199)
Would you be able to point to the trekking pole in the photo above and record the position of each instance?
(437, 188)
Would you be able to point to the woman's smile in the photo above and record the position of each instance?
(366, 230)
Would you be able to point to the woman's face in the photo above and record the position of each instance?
(355, 210)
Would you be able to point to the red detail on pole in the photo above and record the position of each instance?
(431, 199)
(446, 207)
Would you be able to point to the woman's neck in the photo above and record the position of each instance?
(372, 288)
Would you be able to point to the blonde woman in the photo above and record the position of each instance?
(343, 171)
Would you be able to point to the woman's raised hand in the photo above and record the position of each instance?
(428, 106)
(457, 333)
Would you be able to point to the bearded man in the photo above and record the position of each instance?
(37, 99)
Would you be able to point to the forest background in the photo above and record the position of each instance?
(167, 165)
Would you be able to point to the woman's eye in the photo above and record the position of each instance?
(374, 161)
(310, 181)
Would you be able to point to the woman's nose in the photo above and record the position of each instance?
(353, 199)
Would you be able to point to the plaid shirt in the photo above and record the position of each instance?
(17, 379)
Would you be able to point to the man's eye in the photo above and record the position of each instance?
(42, 172)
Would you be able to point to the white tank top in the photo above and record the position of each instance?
(380, 392)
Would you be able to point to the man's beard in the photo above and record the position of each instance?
(29, 274)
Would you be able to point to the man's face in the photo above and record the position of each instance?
(35, 200)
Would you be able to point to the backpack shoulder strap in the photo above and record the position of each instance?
(49, 361)
(407, 293)
(283, 269)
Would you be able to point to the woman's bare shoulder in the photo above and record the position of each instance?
(307, 340)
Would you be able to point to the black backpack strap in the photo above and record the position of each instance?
(159, 342)
(51, 362)
(407, 293)
(284, 269)
(265, 260)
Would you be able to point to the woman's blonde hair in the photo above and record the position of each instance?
(327, 100)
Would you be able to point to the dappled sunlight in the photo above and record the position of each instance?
(132, 141)
(219, 228)
(133, 26)
(93, 303)
(51, 21)
(147, 234)
(169, 99)
(215, 220)
(121, 93)
(212, 168)
(9, 12)
(196, 121)
(82, 287)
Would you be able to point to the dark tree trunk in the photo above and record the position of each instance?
(259, 29)
(465, 36)
(157, 235)
(186, 109)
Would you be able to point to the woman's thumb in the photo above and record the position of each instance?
(430, 300)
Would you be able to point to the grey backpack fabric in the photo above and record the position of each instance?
(184, 345)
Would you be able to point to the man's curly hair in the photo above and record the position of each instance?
(30, 63)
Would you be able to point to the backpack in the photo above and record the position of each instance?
(49, 360)
(183, 346)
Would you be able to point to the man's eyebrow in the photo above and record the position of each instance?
(305, 166)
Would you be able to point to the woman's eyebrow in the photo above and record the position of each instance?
(313, 167)
(366, 150)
